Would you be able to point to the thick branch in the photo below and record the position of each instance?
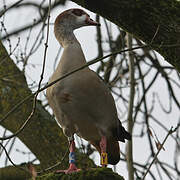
(42, 135)
(90, 174)
(11, 172)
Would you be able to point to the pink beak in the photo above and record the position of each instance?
(90, 22)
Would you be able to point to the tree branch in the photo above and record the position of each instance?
(130, 111)
(155, 157)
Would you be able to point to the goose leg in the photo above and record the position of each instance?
(72, 167)
(103, 145)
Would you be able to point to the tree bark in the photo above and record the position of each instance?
(13, 173)
(156, 22)
(90, 174)
(42, 135)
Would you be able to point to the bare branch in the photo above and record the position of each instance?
(130, 111)
(155, 157)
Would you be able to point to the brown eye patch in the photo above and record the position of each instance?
(78, 12)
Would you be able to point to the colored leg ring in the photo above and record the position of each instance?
(72, 157)
(104, 158)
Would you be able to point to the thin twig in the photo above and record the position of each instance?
(39, 85)
(169, 132)
(10, 149)
(55, 165)
(90, 63)
(10, 160)
(10, 7)
(155, 34)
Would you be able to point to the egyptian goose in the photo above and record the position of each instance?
(82, 103)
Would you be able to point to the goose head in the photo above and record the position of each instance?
(69, 20)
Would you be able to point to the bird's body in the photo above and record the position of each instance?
(82, 100)
(82, 103)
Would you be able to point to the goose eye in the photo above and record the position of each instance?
(78, 12)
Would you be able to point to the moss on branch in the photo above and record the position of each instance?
(13, 173)
(91, 174)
